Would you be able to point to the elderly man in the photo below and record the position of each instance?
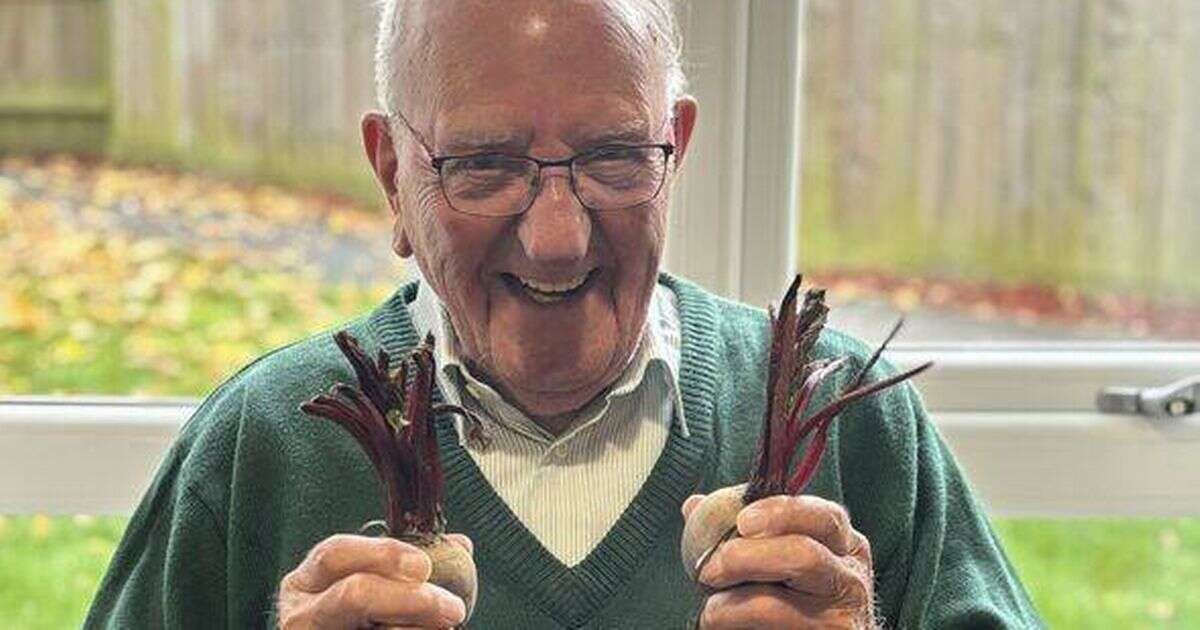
(527, 150)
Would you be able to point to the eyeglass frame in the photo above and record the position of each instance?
(436, 163)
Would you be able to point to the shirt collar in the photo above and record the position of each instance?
(659, 351)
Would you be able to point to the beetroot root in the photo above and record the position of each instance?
(711, 522)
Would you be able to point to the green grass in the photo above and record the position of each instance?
(1082, 574)
(50, 567)
(1109, 573)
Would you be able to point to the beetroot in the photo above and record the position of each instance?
(792, 382)
(390, 413)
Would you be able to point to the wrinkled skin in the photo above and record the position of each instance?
(349, 581)
(795, 562)
(546, 79)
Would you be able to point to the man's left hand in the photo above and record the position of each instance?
(797, 563)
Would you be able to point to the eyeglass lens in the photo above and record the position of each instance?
(609, 178)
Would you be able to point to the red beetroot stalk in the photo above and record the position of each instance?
(825, 417)
(792, 382)
(390, 414)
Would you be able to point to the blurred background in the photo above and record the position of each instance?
(182, 188)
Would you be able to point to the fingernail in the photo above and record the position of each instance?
(751, 521)
(712, 569)
(452, 610)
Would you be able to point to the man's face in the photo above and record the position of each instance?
(546, 79)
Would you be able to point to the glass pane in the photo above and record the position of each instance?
(168, 213)
(1004, 170)
(1017, 171)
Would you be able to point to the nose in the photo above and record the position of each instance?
(556, 228)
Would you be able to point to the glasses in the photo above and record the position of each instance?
(493, 184)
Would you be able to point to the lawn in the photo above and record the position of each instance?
(106, 311)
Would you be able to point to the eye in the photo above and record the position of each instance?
(616, 154)
(486, 164)
(620, 167)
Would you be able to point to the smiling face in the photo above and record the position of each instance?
(548, 305)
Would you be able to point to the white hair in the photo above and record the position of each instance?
(662, 29)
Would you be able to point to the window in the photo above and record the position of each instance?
(1015, 179)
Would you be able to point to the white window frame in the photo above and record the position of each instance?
(1021, 418)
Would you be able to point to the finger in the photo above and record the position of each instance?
(690, 504)
(343, 555)
(754, 606)
(812, 516)
(860, 548)
(800, 562)
(462, 541)
(365, 598)
(772, 606)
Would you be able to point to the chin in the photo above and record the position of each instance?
(561, 373)
(547, 378)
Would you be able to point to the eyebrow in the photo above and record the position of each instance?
(482, 141)
(629, 131)
(473, 141)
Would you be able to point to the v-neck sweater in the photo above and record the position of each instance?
(609, 447)
(251, 484)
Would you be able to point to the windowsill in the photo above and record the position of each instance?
(1021, 420)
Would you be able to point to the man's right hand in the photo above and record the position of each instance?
(358, 581)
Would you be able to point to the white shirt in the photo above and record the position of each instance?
(569, 490)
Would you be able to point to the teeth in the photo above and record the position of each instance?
(545, 292)
(558, 287)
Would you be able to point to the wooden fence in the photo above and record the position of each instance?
(267, 87)
(53, 75)
(1011, 138)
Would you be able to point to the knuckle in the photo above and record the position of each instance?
(320, 557)
(854, 589)
(837, 519)
(288, 583)
(862, 546)
(711, 615)
(289, 609)
(836, 587)
(808, 553)
(393, 551)
(351, 593)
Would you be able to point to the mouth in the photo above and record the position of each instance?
(549, 292)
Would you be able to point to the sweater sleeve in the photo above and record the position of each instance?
(169, 569)
(944, 566)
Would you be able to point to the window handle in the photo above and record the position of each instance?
(1171, 401)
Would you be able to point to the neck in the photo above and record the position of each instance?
(554, 412)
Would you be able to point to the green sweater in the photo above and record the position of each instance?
(251, 484)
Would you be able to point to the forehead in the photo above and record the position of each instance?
(564, 65)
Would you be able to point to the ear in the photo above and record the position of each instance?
(685, 122)
(377, 140)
